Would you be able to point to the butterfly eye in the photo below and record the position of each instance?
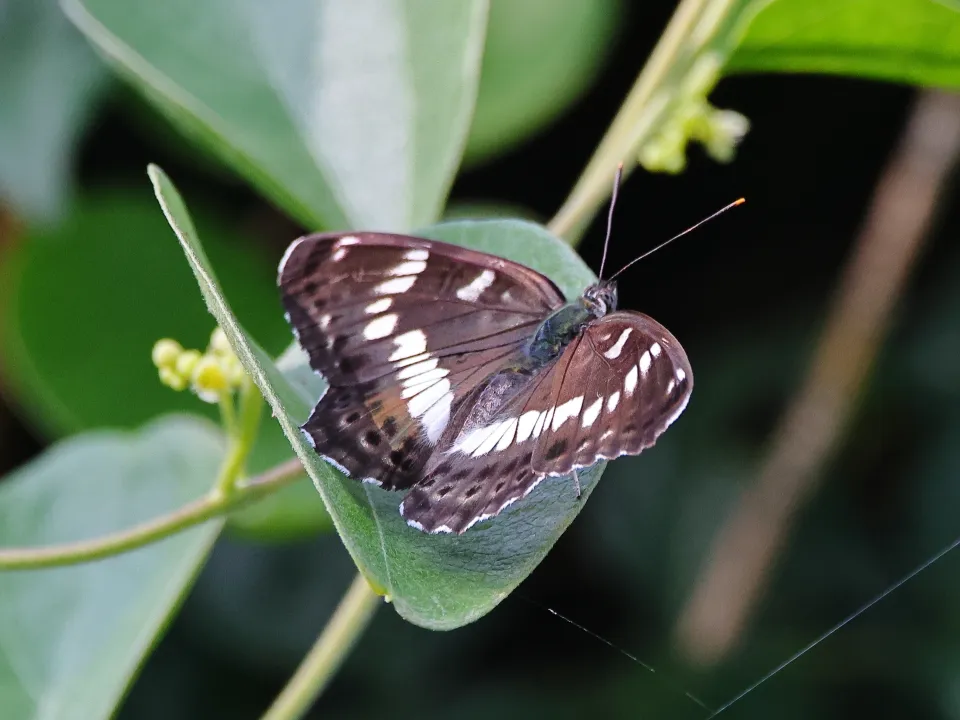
(595, 305)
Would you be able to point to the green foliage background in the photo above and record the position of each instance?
(319, 114)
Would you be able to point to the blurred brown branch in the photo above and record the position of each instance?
(901, 213)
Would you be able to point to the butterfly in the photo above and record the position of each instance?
(465, 379)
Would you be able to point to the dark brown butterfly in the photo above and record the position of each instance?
(465, 378)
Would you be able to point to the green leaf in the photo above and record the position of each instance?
(49, 85)
(438, 582)
(345, 114)
(85, 302)
(915, 41)
(72, 638)
(540, 56)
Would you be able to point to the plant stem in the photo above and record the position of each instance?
(698, 28)
(251, 404)
(242, 434)
(351, 617)
(210, 506)
(228, 414)
(232, 467)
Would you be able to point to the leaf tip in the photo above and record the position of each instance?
(155, 173)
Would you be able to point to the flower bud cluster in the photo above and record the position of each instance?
(209, 374)
(693, 118)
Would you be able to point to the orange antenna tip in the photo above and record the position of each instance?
(740, 201)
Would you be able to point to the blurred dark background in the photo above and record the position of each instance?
(747, 295)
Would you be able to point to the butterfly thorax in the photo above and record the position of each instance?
(564, 324)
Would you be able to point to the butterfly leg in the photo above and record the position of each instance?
(576, 482)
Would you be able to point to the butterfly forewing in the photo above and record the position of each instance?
(403, 329)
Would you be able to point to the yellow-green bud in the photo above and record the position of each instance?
(209, 379)
(187, 362)
(726, 129)
(219, 343)
(170, 378)
(719, 131)
(234, 370)
(165, 353)
(666, 152)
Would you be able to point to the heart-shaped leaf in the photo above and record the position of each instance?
(435, 581)
(347, 114)
(915, 41)
(72, 638)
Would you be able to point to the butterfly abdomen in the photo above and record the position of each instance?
(498, 391)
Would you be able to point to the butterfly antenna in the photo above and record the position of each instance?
(613, 203)
(662, 245)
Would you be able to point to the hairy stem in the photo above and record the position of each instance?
(228, 414)
(212, 505)
(699, 38)
(242, 433)
(351, 617)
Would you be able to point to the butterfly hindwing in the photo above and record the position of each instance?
(627, 380)
(384, 430)
(486, 466)
(403, 329)
(613, 390)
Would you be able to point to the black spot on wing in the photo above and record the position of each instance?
(341, 428)
(556, 450)
(390, 428)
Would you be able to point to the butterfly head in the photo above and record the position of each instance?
(601, 298)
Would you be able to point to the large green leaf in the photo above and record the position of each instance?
(915, 41)
(540, 56)
(82, 306)
(347, 114)
(434, 581)
(72, 638)
(48, 85)
(84, 303)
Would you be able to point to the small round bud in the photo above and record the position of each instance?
(172, 379)
(219, 343)
(187, 362)
(234, 370)
(209, 379)
(165, 353)
(726, 129)
(666, 152)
